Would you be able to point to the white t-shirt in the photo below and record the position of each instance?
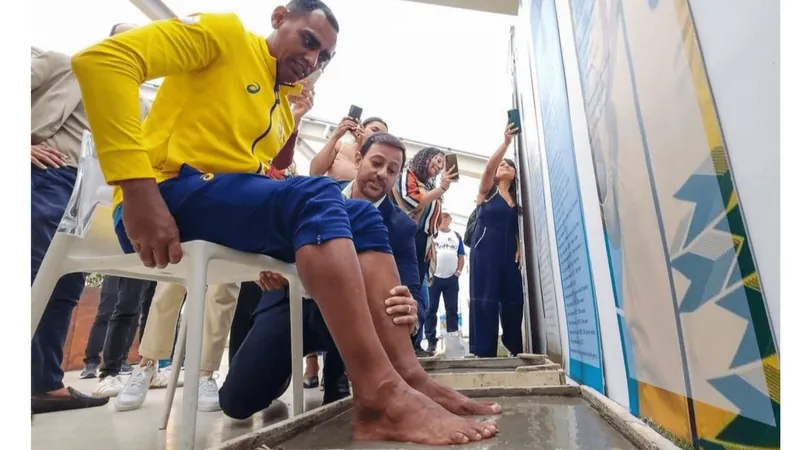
(449, 247)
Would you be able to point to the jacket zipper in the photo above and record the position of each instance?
(269, 126)
(276, 91)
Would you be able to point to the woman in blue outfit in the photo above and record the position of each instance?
(495, 281)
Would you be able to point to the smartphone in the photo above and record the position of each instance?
(451, 161)
(513, 118)
(311, 80)
(355, 113)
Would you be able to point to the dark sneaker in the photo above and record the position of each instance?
(125, 369)
(43, 403)
(89, 371)
(421, 353)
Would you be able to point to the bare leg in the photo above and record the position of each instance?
(379, 281)
(312, 366)
(385, 407)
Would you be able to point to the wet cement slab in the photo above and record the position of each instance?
(541, 423)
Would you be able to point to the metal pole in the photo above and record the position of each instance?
(154, 9)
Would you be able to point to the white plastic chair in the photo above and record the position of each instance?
(86, 242)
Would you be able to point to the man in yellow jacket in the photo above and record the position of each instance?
(196, 170)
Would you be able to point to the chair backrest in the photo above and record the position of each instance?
(89, 213)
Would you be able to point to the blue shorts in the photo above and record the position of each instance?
(256, 214)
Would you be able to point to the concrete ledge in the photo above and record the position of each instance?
(441, 364)
(476, 379)
(538, 391)
(282, 431)
(539, 368)
(641, 435)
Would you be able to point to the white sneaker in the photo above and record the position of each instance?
(208, 394)
(135, 390)
(161, 379)
(109, 386)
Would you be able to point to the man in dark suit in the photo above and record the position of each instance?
(261, 369)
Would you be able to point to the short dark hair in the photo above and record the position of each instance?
(309, 6)
(375, 119)
(386, 139)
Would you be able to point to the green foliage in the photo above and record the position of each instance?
(668, 434)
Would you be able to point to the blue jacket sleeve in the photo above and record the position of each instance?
(461, 251)
(405, 256)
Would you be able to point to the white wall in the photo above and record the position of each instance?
(740, 41)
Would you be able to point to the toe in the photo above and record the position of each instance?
(475, 435)
(459, 437)
(494, 408)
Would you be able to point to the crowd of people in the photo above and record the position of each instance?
(212, 159)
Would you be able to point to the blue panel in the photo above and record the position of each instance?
(585, 352)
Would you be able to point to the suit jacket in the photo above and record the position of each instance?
(402, 231)
(402, 239)
(54, 94)
(55, 99)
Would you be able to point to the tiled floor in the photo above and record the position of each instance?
(105, 428)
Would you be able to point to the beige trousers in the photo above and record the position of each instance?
(159, 334)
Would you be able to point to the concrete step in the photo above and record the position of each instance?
(439, 364)
(525, 370)
(479, 379)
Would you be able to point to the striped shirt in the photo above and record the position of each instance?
(407, 194)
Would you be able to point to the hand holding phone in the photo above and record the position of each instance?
(355, 116)
(311, 80)
(355, 113)
(514, 119)
(451, 166)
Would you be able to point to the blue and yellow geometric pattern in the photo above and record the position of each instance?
(733, 281)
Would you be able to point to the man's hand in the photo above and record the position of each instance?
(302, 104)
(44, 156)
(271, 281)
(149, 224)
(402, 306)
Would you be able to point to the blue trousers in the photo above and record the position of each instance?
(448, 288)
(255, 214)
(495, 291)
(50, 192)
(262, 365)
(249, 297)
(423, 305)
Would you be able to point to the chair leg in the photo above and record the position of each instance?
(177, 362)
(296, 320)
(195, 309)
(50, 271)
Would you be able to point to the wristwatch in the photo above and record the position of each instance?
(458, 273)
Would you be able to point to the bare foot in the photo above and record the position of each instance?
(401, 414)
(451, 400)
